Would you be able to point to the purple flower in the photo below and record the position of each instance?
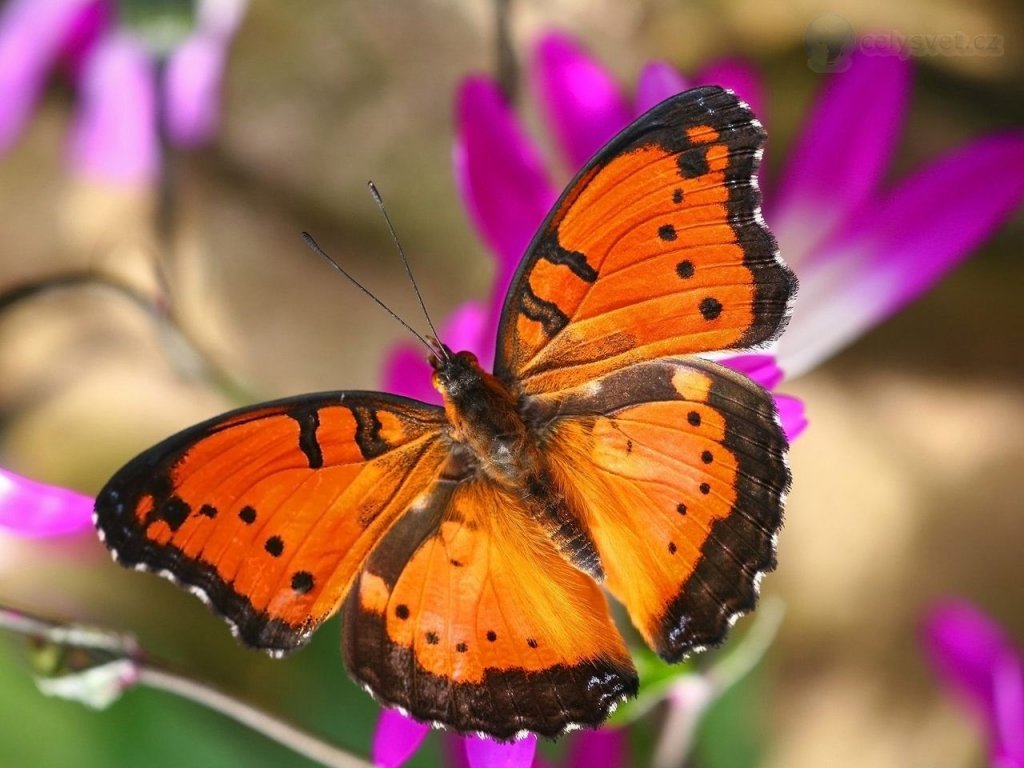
(397, 737)
(980, 665)
(114, 134)
(29, 508)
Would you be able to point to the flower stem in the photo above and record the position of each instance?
(282, 732)
(106, 643)
(506, 64)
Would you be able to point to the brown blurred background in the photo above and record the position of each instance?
(907, 483)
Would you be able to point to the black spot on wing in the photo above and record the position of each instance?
(547, 313)
(577, 263)
(174, 511)
(368, 429)
(309, 421)
(693, 162)
(710, 308)
(302, 582)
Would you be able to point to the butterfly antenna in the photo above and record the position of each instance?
(315, 248)
(408, 269)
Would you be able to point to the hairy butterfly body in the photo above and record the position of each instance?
(465, 544)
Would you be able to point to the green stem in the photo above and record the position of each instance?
(106, 645)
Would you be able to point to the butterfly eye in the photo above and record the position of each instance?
(469, 357)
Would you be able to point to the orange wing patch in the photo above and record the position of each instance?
(269, 512)
(485, 626)
(678, 469)
(656, 249)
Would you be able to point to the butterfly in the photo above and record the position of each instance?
(466, 545)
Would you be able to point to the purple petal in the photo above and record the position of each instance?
(114, 133)
(841, 152)
(582, 102)
(406, 370)
(897, 247)
(487, 753)
(973, 657)
(603, 748)
(499, 173)
(1009, 705)
(407, 373)
(658, 81)
(791, 415)
(89, 25)
(32, 33)
(192, 92)
(463, 330)
(396, 738)
(761, 368)
(30, 508)
(739, 77)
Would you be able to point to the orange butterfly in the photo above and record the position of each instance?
(466, 543)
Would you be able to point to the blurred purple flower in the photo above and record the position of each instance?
(29, 508)
(114, 135)
(398, 737)
(975, 659)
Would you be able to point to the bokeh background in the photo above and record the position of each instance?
(907, 483)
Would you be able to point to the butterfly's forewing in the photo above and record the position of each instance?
(268, 512)
(467, 615)
(657, 248)
(678, 469)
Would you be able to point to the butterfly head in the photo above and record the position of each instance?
(455, 373)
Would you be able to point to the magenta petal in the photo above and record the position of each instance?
(114, 133)
(791, 415)
(603, 748)
(407, 373)
(761, 368)
(739, 77)
(30, 508)
(582, 102)
(193, 89)
(499, 173)
(894, 249)
(463, 330)
(658, 81)
(32, 33)
(396, 739)
(406, 370)
(90, 24)
(973, 657)
(841, 153)
(487, 753)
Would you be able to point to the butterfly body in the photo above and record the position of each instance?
(463, 544)
(486, 421)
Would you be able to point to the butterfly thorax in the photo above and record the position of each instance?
(484, 417)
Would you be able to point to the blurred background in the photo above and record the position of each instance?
(906, 484)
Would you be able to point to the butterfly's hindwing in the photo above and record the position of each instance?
(678, 468)
(467, 615)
